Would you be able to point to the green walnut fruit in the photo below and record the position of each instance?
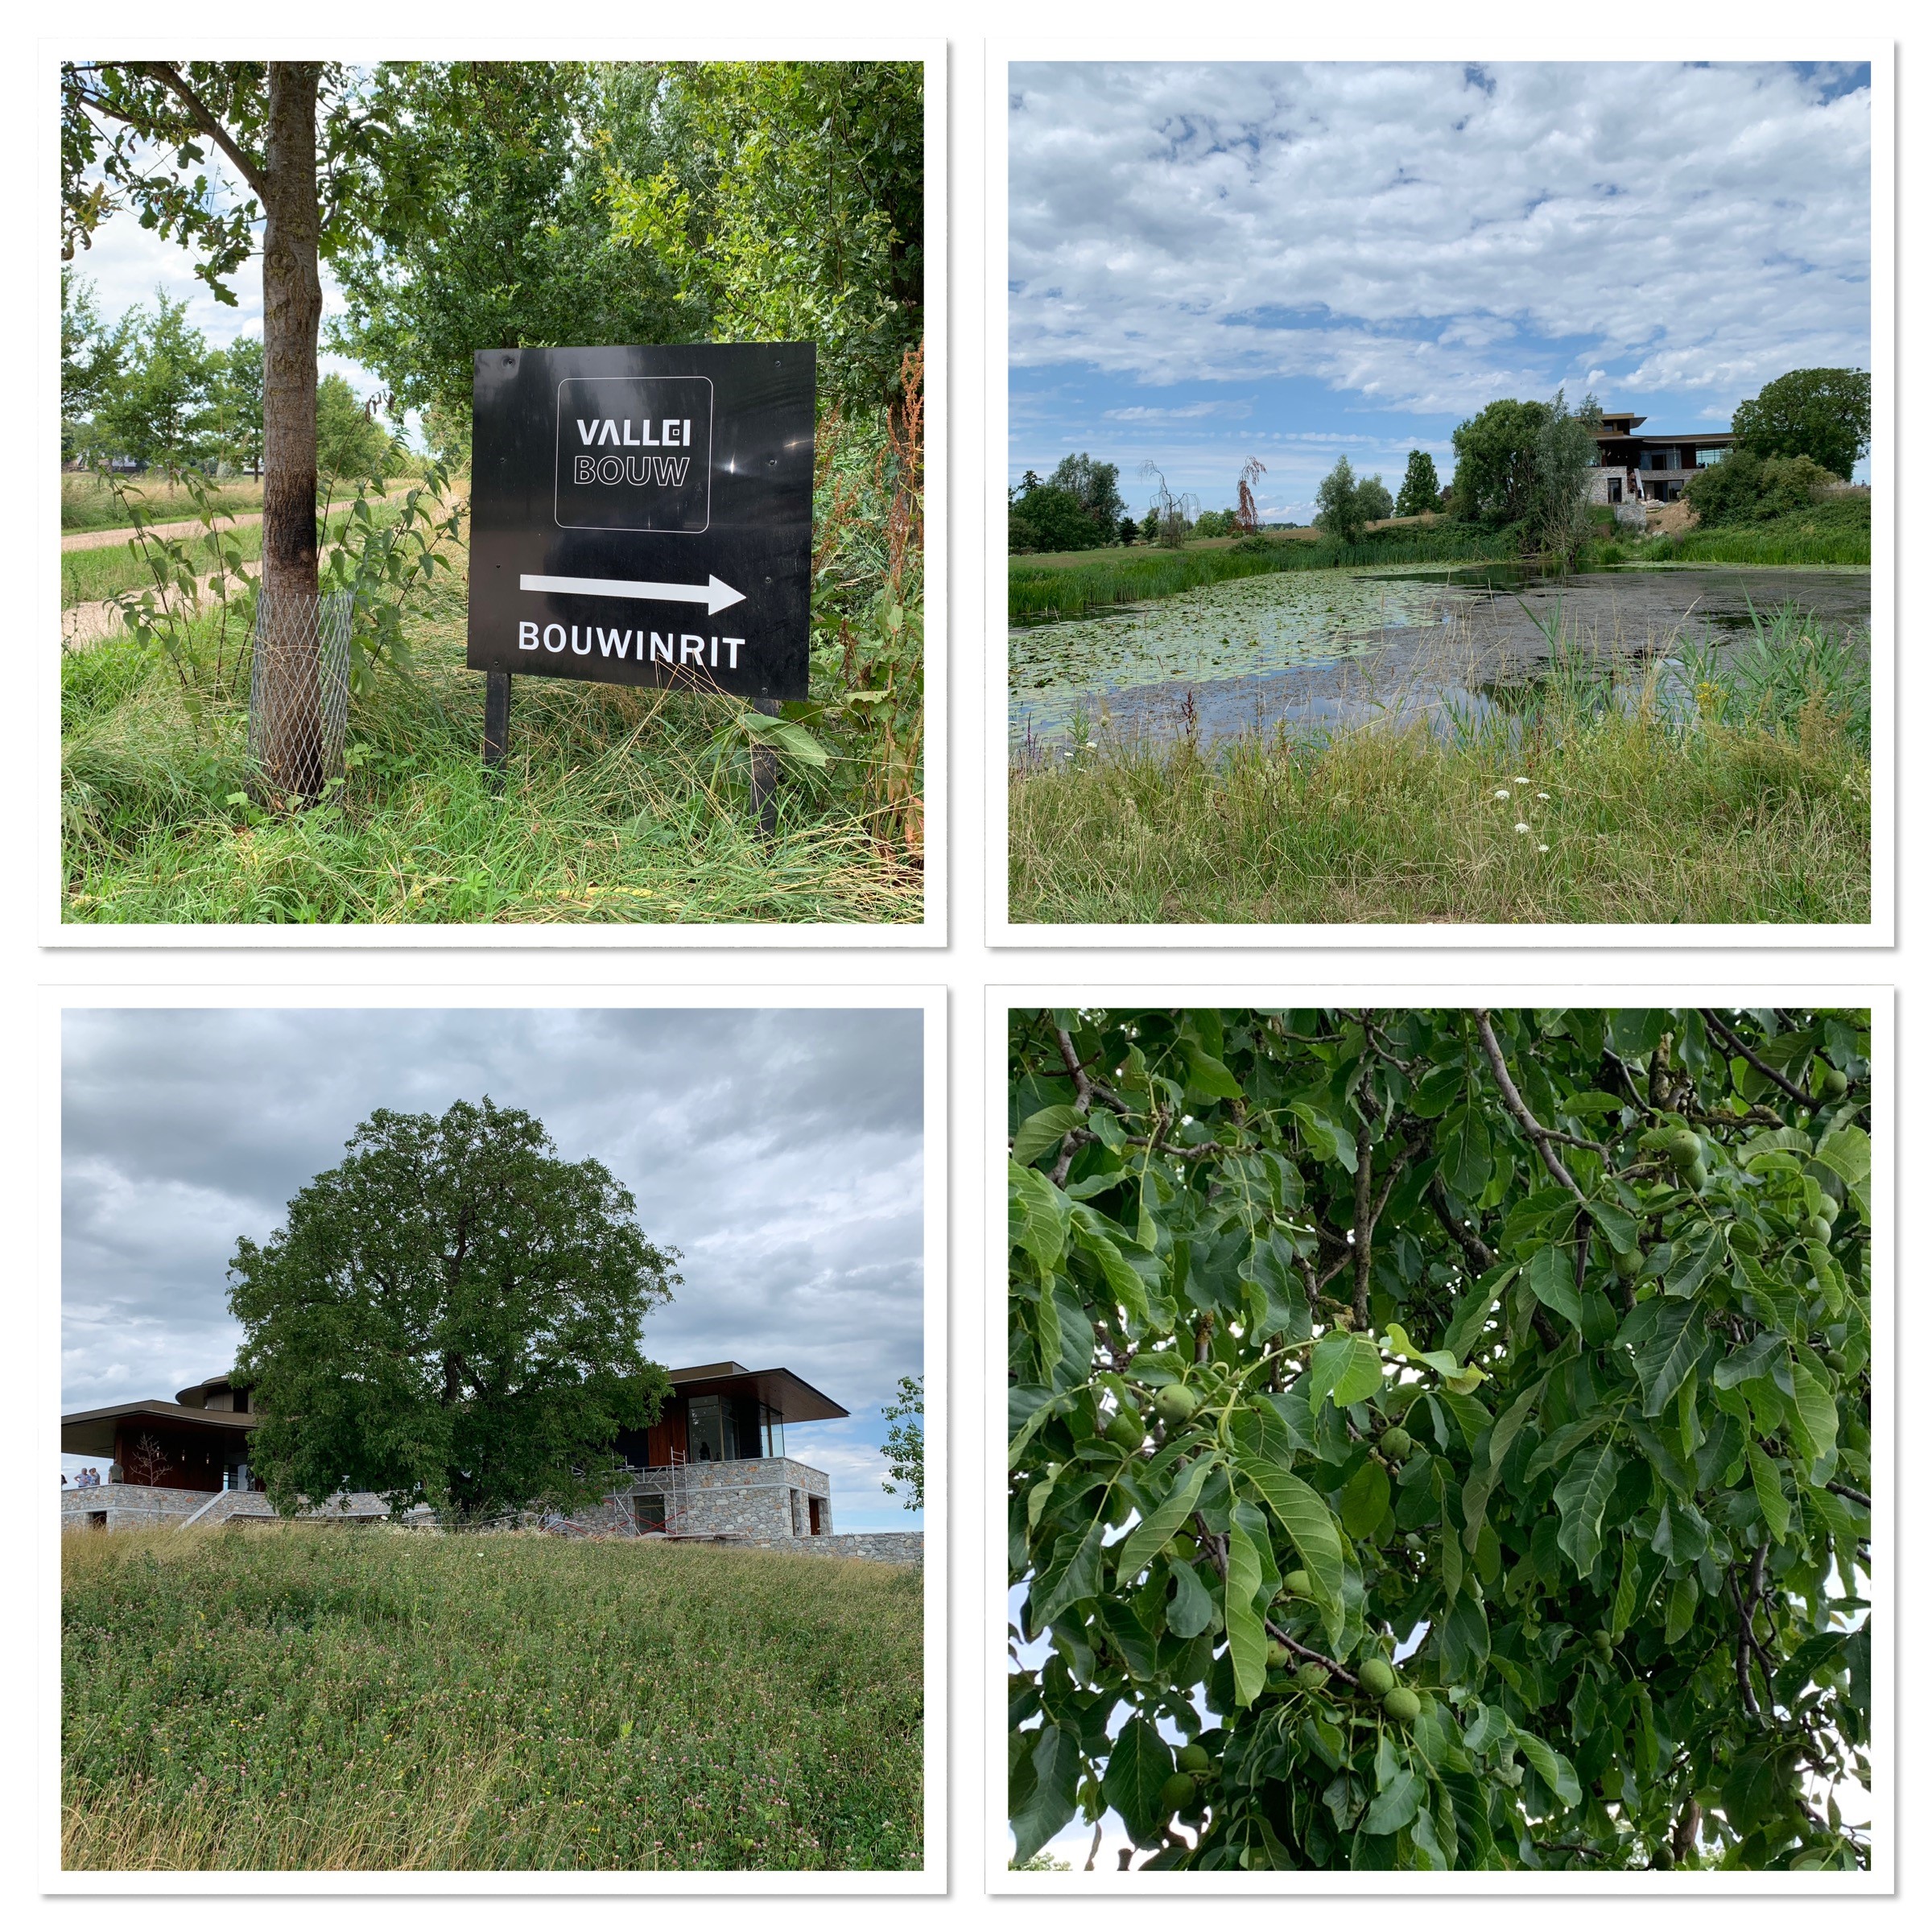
(1405, 1706)
(1602, 1640)
(1663, 1859)
(1126, 1431)
(1279, 1656)
(1377, 1676)
(1828, 1208)
(1628, 1266)
(1683, 1147)
(1177, 1795)
(1296, 1584)
(1312, 1677)
(1397, 1443)
(1697, 1177)
(1835, 1361)
(1191, 1757)
(1819, 1229)
(1833, 1084)
(1175, 1403)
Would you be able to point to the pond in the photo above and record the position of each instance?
(1316, 648)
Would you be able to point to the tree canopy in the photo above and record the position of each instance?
(1440, 1439)
(1338, 507)
(1824, 413)
(1421, 494)
(453, 1315)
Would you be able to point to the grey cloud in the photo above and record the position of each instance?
(780, 1150)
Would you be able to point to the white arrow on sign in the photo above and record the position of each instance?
(715, 596)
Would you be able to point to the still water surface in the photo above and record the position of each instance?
(1328, 647)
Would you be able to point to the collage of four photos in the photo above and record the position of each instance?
(674, 664)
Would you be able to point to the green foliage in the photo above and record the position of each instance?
(503, 238)
(295, 1699)
(237, 403)
(451, 1316)
(904, 1448)
(1527, 464)
(787, 198)
(348, 443)
(1824, 413)
(1608, 1612)
(1420, 493)
(1078, 507)
(1377, 503)
(1745, 487)
(1339, 508)
(1496, 461)
(159, 406)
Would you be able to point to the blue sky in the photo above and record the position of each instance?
(1213, 262)
(779, 1151)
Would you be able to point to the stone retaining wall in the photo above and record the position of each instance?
(881, 1546)
(137, 1506)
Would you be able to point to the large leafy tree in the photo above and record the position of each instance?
(504, 239)
(453, 1316)
(1496, 466)
(304, 142)
(1439, 1440)
(789, 196)
(1824, 413)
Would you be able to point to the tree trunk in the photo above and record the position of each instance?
(291, 723)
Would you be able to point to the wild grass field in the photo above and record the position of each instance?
(1734, 788)
(1042, 589)
(619, 805)
(302, 1699)
(1836, 530)
(88, 503)
(90, 576)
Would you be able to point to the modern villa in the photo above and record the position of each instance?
(713, 1466)
(1653, 468)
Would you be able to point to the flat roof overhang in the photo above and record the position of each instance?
(91, 1431)
(794, 1399)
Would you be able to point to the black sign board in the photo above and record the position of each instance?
(643, 516)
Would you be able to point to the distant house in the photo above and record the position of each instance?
(1653, 468)
(713, 1466)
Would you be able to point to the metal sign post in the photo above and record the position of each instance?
(643, 516)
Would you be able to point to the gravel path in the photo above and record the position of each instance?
(192, 526)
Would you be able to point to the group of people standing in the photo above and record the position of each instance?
(88, 1479)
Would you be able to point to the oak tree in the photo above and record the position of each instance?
(453, 1316)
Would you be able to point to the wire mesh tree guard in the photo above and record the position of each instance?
(297, 695)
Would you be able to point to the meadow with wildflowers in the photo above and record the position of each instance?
(1723, 785)
(298, 1699)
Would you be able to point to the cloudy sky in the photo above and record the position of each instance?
(128, 262)
(779, 1151)
(1217, 261)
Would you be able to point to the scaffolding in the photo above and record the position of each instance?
(676, 1501)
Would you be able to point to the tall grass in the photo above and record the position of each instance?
(1038, 591)
(88, 503)
(620, 805)
(1721, 787)
(298, 1699)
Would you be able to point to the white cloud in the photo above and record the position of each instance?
(1431, 240)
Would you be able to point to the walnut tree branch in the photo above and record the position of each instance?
(1541, 1135)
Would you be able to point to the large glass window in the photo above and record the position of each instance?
(774, 1430)
(707, 1430)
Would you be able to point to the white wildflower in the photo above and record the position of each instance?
(1542, 848)
(1522, 827)
(1519, 781)
(1544, 796)
(1501, 792)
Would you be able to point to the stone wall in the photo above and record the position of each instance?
(763, 1496)
(881, 1546)
(137, 1506)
